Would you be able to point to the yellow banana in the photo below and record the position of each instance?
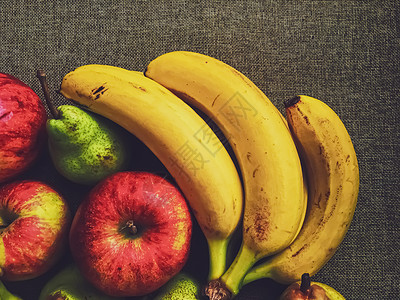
(263, 146)
(179, 137)
(333, 178)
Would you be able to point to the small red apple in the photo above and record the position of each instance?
(131, 234)
(22, 126)
(34, 224)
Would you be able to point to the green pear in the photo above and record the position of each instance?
(180, 287)
(69, 284)
(5, 294)
(86, 147)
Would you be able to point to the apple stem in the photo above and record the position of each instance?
(305, 282)
(130, 228)
(41, 74)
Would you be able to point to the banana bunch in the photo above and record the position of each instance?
(299, 180)
(179, 137)
(276, 193)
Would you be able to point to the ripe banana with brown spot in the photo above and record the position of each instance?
(178, 136)
(333, 179)
(263, 146)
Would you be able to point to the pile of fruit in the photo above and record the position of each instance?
(288, 185)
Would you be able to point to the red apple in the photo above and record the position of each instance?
(34, 224)
(131, 234)
(22, 126)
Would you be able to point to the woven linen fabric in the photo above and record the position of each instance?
(345, 53)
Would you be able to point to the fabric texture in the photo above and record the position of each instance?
(345, 53)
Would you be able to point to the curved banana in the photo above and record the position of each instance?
(179, 137)
(333, 178)
(263, 146)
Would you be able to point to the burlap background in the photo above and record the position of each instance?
(345, 53)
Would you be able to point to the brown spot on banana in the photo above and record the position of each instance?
(99, 89)
(327, 194)
(321, 149)
(300, 250)
(215, 99)
(138, 87)
(306, 120)
(234, 205)
(261, 226)
(248, 156)
(255, 171)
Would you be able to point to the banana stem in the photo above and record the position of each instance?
(258, 272)
(217, 250)
(234, 276)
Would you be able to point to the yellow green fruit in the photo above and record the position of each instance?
(85, 147)
(181, 287)
(5, 294)
(69, 284)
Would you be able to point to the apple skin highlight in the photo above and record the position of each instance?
(22, 126)
(34, 221)
(120, 263)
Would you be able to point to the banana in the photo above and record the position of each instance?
(333, 178)
(178, 136)
(263, 146)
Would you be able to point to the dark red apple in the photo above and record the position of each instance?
(131, 234)
(34, 225)
(22, 126)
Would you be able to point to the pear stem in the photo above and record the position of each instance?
(305, 283)
(41, 75)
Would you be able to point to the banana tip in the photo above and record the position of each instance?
(292, 101)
